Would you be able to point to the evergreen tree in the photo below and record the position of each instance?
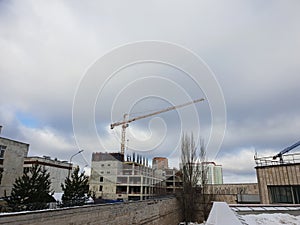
(76, 189)
(32, 190)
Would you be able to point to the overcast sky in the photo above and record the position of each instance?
(252, 49)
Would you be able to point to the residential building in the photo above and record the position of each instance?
(59, 170)
(113, 178)
(12, 154)
(214, 174)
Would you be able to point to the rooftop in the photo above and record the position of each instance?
(7, 139)
(105, 156)
(269, 161)
(253, 214)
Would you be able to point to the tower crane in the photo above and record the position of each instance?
(126, 120)
(286, 150)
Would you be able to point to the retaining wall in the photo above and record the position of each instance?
(150, 212)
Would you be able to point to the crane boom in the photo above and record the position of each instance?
(286, 150)
(125, 122)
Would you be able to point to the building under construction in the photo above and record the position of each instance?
(113, 178)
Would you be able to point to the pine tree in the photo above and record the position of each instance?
(32, 190)
(76, 189)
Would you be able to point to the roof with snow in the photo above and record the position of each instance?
(254, 214)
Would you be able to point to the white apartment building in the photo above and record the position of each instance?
(59, 170)
(12, 155)
(113, 178)
(214, 173)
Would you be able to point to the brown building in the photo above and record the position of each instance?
(279, 182)
(242, 193)
(160, 163)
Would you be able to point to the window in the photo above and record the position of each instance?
(108, 164)
(100, 188)
(134, 180)
(285, 194)
(1, 172)
(108, 172)
(296, 194)
(122, 180)
(101, 179)
(102, 165)
(2, 151)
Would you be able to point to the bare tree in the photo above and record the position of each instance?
(190, 176)
(195, 196)
(205, 197)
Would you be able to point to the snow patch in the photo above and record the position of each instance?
(221, 214)
(271, 219)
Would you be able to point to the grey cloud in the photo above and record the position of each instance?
(252, 47)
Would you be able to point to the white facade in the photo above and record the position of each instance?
(12, 155)
(103, 177)
(59, 170)
(214, 172)
(112, 178)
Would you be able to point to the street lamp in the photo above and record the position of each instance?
(83, 169)
(71, 161)
(74, 155)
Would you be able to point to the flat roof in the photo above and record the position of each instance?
(14, 140)
(265, 208)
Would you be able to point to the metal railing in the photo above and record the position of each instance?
(269, 161)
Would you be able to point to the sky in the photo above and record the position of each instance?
(58, 95)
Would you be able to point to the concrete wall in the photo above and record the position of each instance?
(228, 192)
(150, 212)
(12, 163)
(109, 170)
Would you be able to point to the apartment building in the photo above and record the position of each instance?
(214, 172)
(12, 154)
(59, 170)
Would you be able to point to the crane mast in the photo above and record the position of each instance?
(126, 121)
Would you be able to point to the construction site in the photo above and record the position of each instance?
(119, 176)
(115, 176)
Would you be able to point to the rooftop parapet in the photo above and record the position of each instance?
(269, 161)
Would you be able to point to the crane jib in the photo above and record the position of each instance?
(125, 121)
(154, 113)
(286, 150)
(290, 148)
